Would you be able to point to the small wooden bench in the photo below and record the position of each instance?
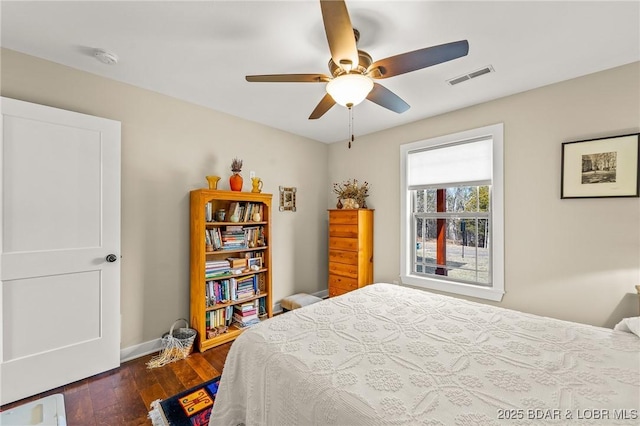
(298, 300)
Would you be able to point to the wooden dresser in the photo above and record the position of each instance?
(350, 250)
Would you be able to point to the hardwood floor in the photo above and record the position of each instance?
(122, 396)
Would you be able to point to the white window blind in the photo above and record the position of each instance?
(451, 165)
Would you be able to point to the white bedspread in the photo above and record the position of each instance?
(391, 355)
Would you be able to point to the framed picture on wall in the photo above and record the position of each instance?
(598, 168)
(287, 198)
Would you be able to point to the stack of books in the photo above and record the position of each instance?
(246, 314)
(246, 287)
(213, 238)
(219, 317)
(218, 292)
(253, 235)
(233, 238)
(216, 268)
(250, 210)
(244, 211)
(232, 289)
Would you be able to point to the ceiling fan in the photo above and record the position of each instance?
(353, 71)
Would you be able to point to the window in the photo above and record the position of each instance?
(452, 213)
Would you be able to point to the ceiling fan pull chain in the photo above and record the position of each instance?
(351, 139)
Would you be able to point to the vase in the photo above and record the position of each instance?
(350, 203)
(339, 205)
(235, 182)
(213, 181)
(256, 184)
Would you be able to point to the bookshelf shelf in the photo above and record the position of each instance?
(240, 275)
(216, 246)
(235, 302)
(211, 224)
(236, 251)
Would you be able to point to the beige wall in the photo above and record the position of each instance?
(168, 146)
(575, 259)
(570, 259)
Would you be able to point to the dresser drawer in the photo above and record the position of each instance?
(343, 256)
(339, 230)
(343, 243)
(345, 283)
(343, 217)
(343, 269)
(336, 291)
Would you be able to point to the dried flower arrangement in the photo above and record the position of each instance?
(236, 165)
(351, 189)
(235, 181)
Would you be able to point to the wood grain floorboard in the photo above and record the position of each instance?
(122, 396)
(202, 367)
(168, 379)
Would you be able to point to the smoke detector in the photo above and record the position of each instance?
(105, 56)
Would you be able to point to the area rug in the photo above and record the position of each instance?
(189, 408)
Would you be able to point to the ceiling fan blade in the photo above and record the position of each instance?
(288, 78)
(325, 105)
(386, 98)
(418, 59)
(337, 26)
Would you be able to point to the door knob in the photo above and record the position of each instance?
(111, 257)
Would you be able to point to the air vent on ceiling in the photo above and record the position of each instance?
(473, 74)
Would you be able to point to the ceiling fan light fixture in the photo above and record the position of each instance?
(349, 89)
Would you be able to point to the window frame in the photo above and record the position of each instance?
(451, 215)
(407, 277)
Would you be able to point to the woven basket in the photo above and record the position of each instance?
(177, 345)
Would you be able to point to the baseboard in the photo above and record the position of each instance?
(322, 294)
(142, 349)
(146, 348)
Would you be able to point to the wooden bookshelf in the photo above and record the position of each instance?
(203, 205)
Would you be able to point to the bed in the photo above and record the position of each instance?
(387, 354)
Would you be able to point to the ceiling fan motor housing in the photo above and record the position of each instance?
(364, 61)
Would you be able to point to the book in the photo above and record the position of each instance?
(247, 324)
(208, 212)
(253, 319)
(247, 212)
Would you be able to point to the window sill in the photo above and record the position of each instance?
(452, 287)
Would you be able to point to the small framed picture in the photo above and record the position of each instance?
(287, 198)
(604, 167)
(254, 261)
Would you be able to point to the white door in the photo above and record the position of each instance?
(60, 215)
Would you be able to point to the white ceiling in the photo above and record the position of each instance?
(201, 51)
